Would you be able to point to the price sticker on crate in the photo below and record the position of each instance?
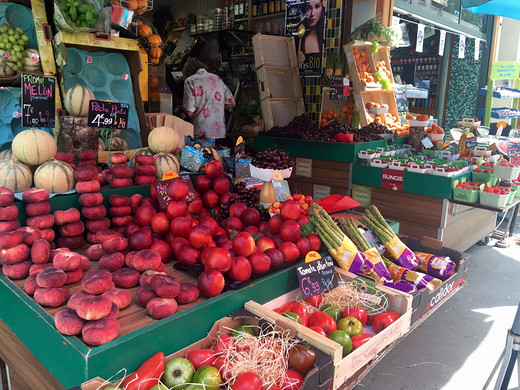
(111, 115)
(317, 275)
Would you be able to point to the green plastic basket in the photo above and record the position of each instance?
(484, 177)
(464, 195)
(493, 200)
(512, 195)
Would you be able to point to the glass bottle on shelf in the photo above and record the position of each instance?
(265, 7)
(277, 5)
(271, 6)
(254, 8)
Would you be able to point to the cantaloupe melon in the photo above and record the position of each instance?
(31, 62)
(7, 68)
(118, 144)
(15, 175)
(163, 140)
(55, 176)
(6, 154)
(165, 162)
(76, 100)
(34, 146)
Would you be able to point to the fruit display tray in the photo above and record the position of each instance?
(22, 17)
(108, 76)
(501, 113)
(72, 362)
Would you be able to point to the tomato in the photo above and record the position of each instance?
(350, 325)
(360, 339)
(209, 376)
(342, 338)
(370, 319)
(240, 330)
(357, 312)
(248, 381)
(301, 358)
(323, 320)
(292, 316)
(220, 364)
(332, 310)
(143, 377)
(292, 380)
(224, 342)
(177, 371)
(384, 320)
(314, 300)
(301, 310)
(319, 330)
(201, 357)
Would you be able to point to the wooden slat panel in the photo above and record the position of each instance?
(457, 234)
(330, 173)
(402, 207)
(307, 187)
(417, 230)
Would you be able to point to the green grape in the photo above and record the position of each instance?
(2, 45)
(17, 48)
(8, 46)
(16, 36)
(19, 30)
(25, 38)
(11, 38)
(4, 28)
(15, 68)
(24, 54)
(10, 32)
(19, 55)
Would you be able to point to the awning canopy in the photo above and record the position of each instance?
(507, 8)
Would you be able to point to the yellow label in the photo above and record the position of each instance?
(169, 175)
(277, 176)
(373, 255)
(311, 256)
(239, 140)
(395, 246)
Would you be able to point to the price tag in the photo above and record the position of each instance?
(427, 143)
(170, 175)
(339, 88)
(317, 276)
(107, 114)
(161, 190)
(471, 142)
(38, 101)
(281, 190)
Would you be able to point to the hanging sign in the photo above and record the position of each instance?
(420, 38)
(442, 42)
(38, 101)
(462, 46)
(316, 276)
(102, 113)
(477, 49)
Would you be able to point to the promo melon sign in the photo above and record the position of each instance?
(38, 101)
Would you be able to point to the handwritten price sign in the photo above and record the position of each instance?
(38, 101)
(317, 276)
(108, 114)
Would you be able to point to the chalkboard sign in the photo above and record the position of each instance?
(108, 114)
(471, 142)
(513, 150)
(317, 276)
(401, 100)
(339, 88)
(38, 101)
(160, 188)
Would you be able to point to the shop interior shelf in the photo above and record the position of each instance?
(502, 92)
(416, 93)
(497, 113)
(240, 35)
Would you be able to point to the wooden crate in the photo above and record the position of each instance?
(279, 112)
(274, 82)
(271, 50)
(345, 367)
(377, 96)
(336, 105)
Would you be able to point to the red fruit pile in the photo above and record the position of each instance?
(485, 167)
(468, 185)
(497, 190)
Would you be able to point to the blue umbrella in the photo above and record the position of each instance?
(507, 8)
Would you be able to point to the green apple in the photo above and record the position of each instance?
(351, 325)
(342, 338)
(209, 377)
(178, 372)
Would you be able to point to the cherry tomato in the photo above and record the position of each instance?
(248, 381)
(323, 320)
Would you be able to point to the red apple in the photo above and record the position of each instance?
(225, 199)
(202, 183)
(264, 243)
(241, 269)
(219, 259)
(314, 242)
(181, 226)
(177, 243)
(144, 214)
(177, 189)
(213, 169)
(211, 283)
(195, 206)
(232, 223)
(176, 208)
(251, 216)
(291, 210)
(274, 223)
(236, 209)
(200, 236)
(188, 255)
(210, 199)
(163, 248)
(252, 229)
(243, 244)
(220, 185)
(210, 223)
(303, 246)
(160, 223)
(141, 239)
(290, 251)
(276, 257)
(260, 263)
(290, 231)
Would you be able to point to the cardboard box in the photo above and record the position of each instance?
(271, 50)
(278, 82)
(346, 367)
(425, 301)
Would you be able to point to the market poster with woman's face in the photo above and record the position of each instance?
(305, 21)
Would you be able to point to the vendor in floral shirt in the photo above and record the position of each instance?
(205, 99)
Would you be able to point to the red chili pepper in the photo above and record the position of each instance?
(143, 377)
